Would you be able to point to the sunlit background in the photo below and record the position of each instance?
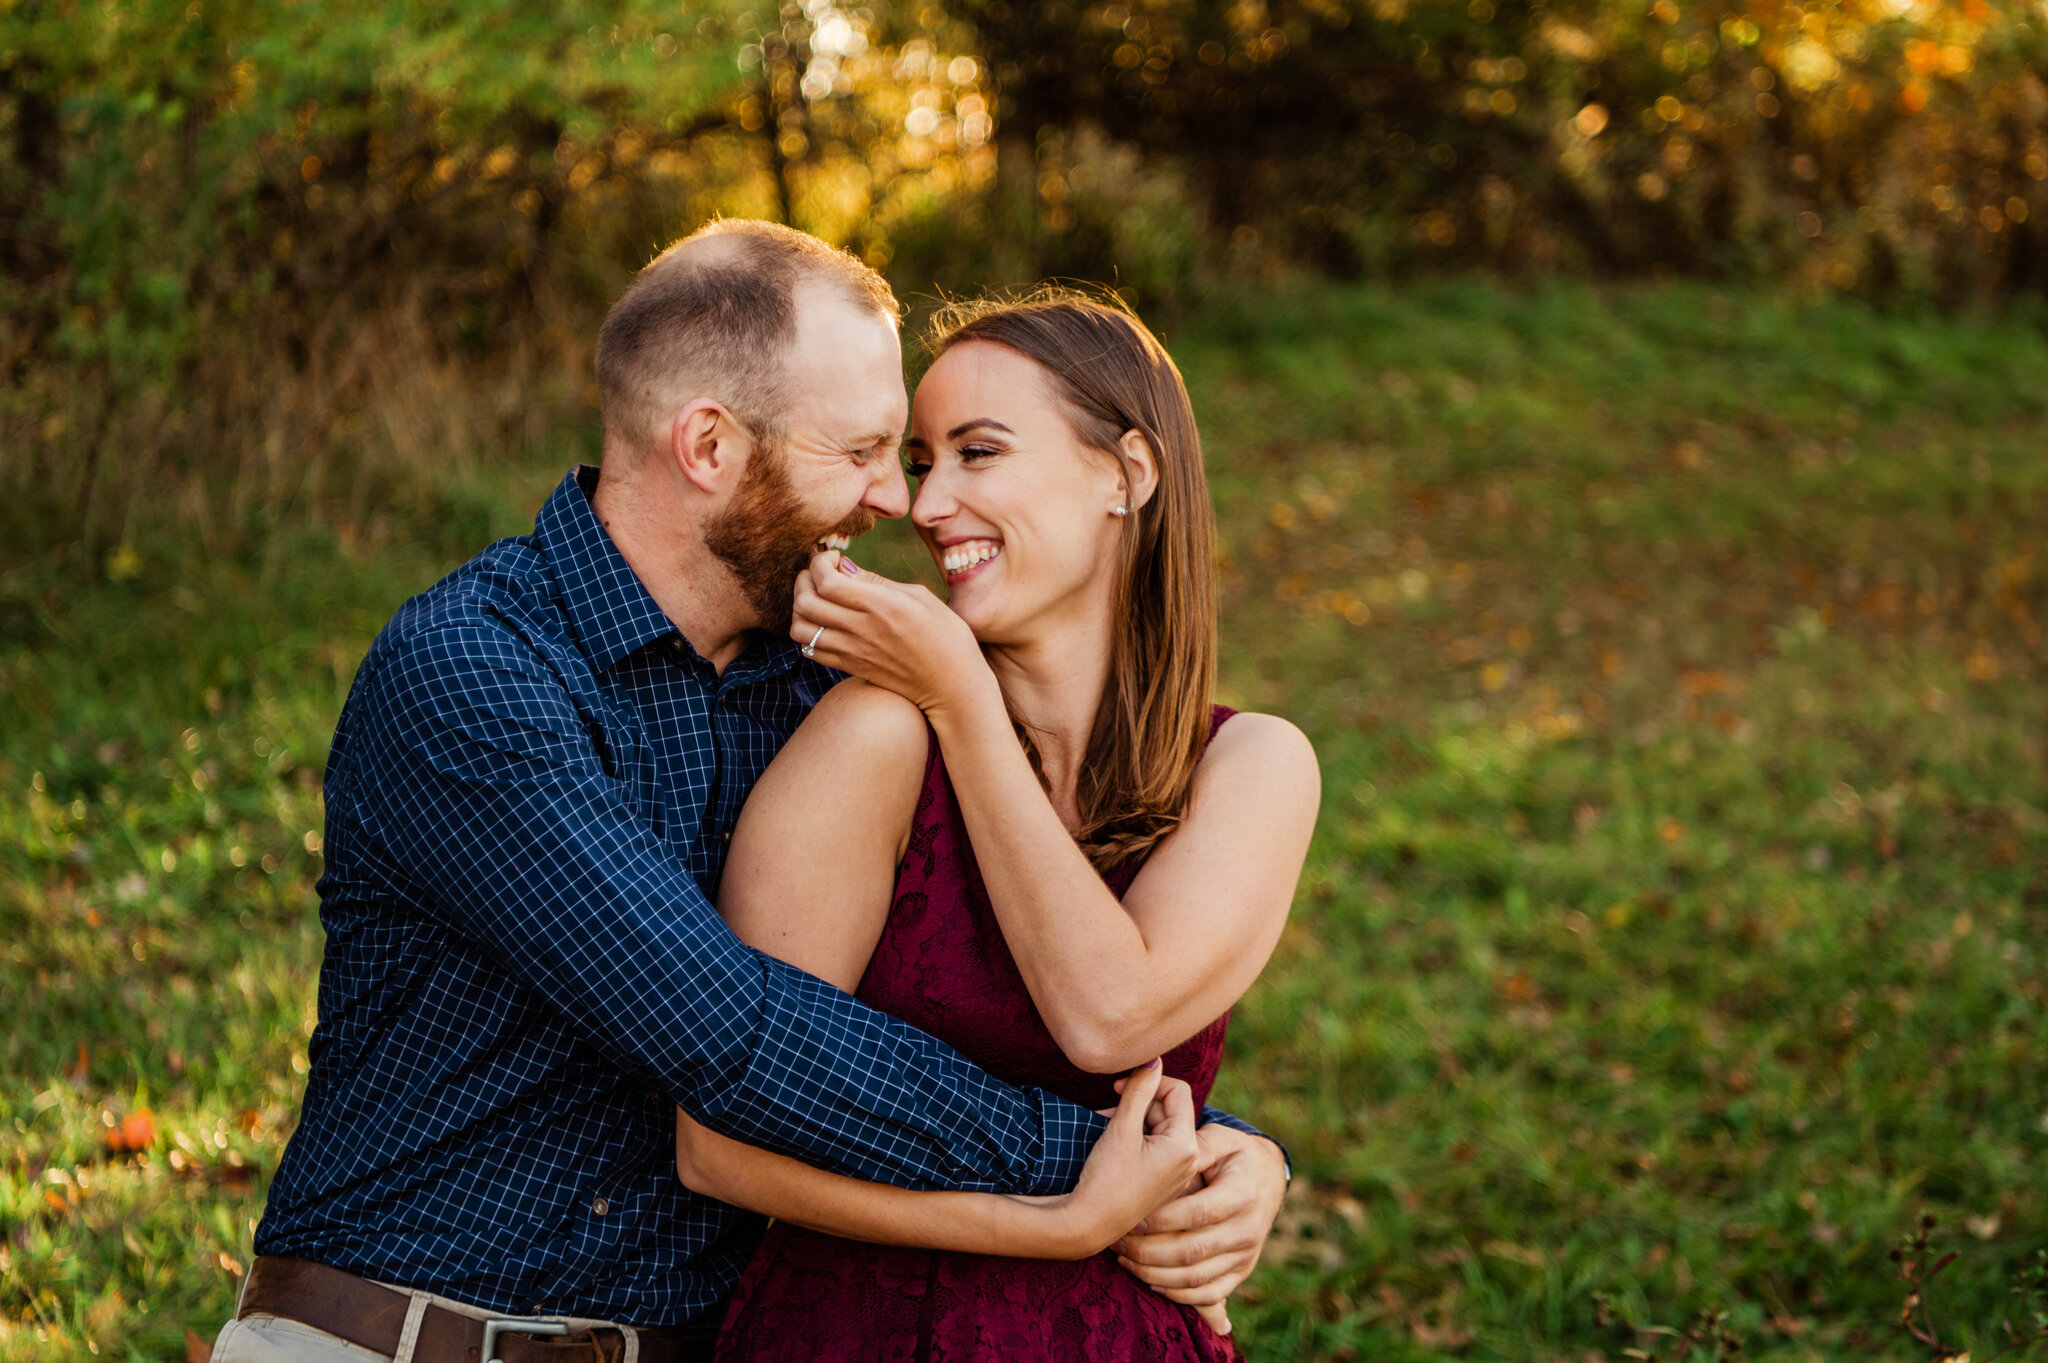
(365, 197)
(1626, 424)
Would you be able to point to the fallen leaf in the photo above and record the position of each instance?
(137, 1132)
(105, 1314)
(1703, 682)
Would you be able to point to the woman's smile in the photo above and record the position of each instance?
(1013, 505)
(964, 558)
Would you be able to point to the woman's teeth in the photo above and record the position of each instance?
(960, 557)
(839, 542)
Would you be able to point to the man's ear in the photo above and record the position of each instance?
(706, 443)
(1141, 470)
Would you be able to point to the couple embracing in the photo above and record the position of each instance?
(681, 872)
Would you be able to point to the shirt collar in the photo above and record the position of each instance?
(611, 612)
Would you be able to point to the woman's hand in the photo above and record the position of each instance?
(1146, 1157)
(895, 635)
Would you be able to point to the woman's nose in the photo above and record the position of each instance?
(934, 501)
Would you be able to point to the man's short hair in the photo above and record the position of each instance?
(714, 316)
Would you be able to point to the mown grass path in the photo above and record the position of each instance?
(1675, 927)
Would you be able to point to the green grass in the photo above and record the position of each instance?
(1675, 925)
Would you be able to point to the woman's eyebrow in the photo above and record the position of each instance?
(981, 421)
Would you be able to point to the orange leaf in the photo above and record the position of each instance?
(1703, 681)
(197, 1350)
(137, 1131)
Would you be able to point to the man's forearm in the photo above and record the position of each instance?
(541, 862)
(917, 1114)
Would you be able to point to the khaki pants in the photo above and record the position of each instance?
(273, 1339)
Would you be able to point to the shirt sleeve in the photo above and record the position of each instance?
(475, 773)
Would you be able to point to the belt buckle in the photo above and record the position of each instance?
(516, 1325)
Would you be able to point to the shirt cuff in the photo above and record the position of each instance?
(1069, 1135)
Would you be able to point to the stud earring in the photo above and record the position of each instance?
(1119, 511)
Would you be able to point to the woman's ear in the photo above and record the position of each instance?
(1141, 469)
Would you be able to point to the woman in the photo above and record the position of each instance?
(1067, 866)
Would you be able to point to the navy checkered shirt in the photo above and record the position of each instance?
(528, 803)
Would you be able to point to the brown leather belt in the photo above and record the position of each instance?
(365, 1314)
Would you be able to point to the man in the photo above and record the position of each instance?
(528, 802)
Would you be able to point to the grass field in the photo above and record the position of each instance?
(1673, 936)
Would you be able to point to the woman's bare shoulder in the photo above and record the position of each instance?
(867, 727)
(1259, 757)
(1248, 737)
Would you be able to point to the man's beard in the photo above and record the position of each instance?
(767, 536)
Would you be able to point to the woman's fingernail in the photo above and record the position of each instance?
(1156, 1062)
(848, 566)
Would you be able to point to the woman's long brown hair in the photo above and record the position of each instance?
(1111, 376)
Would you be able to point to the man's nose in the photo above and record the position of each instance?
(888, 495)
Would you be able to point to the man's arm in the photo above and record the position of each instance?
(491, 790)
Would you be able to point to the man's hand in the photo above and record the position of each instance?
(1197, 1248)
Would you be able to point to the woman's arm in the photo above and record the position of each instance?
(1118, 981)
(813, 861)
(1115, 982)
(1144, 1158)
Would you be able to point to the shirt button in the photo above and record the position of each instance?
(726, 836)
(600, 1206)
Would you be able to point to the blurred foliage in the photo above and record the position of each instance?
(259, 257)
(1674, 931)
(233, 227)
(1894, 147)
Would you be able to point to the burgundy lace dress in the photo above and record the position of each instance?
(942, 965)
